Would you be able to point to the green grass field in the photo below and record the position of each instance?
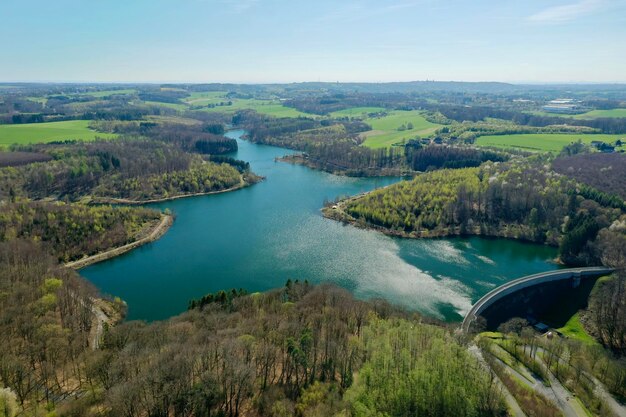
(602, 113)
(205, 98)
(593, 114)
(48, 132)
(356, 111)
(199, 101)
(542, 142)
(574, 329)
(269, 107)
(385, 132)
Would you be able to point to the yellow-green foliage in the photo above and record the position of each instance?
(202, 178)
(519, 199)
(70, 231)
(421, 203)
(415, 369)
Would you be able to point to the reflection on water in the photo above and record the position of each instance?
(259, 237)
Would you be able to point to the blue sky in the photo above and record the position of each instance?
(292, 40)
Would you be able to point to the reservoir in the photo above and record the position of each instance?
(258, 237)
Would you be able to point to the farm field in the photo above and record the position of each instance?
(205, 98)
(602, 113)
(175, 106)
(542, 142)
(48, 132)
(385, 131)
(356, 111)
(269, 107)
(593, 114)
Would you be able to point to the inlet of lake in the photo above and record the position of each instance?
(258, 237)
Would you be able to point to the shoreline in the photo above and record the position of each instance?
(113, 200)
(159, 230)
(298, 159)
(337, 213)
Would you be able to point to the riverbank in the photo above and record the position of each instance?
(110, 200)
(158, 231)
(300, 159)
(337, 212)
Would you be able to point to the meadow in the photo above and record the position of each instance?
(48, 132)
(200, 101)
(542, 142)
(593, 114)
(269, 107)
(385, 131)
(356, 111)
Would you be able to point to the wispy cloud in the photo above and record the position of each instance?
(566, 12)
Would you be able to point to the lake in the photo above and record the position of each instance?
(258, 237)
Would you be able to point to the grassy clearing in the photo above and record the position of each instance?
(574, 329)
(542, 142)
(385, 129)
(593, 114)
(205, 98)
(175, 106)
(356, 111)
(48, 132)
(269, 107)
(40, 100)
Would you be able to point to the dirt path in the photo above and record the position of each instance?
(157, 232)
(100, 318)
(511, 403)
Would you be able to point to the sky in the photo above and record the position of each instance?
(265, 41)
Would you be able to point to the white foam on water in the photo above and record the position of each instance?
(486, 260)
(445, 251)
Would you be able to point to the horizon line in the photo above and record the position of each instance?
(538, 83)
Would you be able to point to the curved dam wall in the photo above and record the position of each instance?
(533, 295)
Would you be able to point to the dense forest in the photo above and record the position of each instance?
(521, 199)
(70, 231)
(429, 158)
(295, 350)
(135, 169)
(605, 172)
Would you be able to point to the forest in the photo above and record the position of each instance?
(303, 349)
(70, 231)
(520, 199)
(294, 350)
(602, 171)
(134, 169)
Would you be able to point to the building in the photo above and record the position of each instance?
(563, 106)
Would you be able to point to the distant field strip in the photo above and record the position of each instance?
(356, 111)
(48, 132)
(542, 142)
(385, 131)
(593, 114)
(602, 113)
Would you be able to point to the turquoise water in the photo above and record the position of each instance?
(258, 237)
